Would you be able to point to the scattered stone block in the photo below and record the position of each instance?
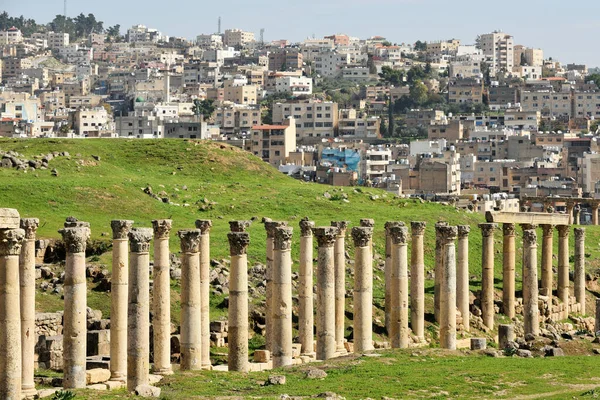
(276, 380)
(97, 386)
(97, 375)
(45, 393)
(555, 352)
(524, 353)
(262, 356)
(316, 373)
(147, 391)
(114, 385)
(296, 350)
(478, 344)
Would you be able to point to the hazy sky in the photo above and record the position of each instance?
(565, 31)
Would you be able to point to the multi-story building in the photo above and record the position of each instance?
(521, 120)
(237, 38)
(548, 102)
(498, 49)
(352, 125)
(527, 56)
(240, 94)
(295, 85)
(500, 96)
(237, 119)
(329, 64)
(286, 59)
(273, 143)
(313, 118)
(93, 122)
(443, 47)
(355, 73)
(11, 36)
(209, 41)
(57, 40)
(465, 69)
(465, 91)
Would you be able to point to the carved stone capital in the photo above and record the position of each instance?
(487, 229)
(399, 234)
(271, 226)
(579, 234)
(508, 229)
(190, 240)
(162, 228)
(121, 228)
(72, 222)
(75, 238)
(283, 238)
(306, 227)
(418, 227)
(361, 235)
(528, 226)
(29, 225)
(238, 243)
(342, 226)
(325, 235)
(239, 226)
(367, 222)
(529, 237)
(563, 231)
(139, 240)
(441, 223)
(390, 224)
(11, 241)
(547, 230)
(463, 231)
(447, 234)
(204, 225)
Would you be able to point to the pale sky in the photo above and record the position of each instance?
(565, 31)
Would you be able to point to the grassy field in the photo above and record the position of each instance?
(103, 180)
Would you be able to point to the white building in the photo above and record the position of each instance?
(329, 64)
(498, 48)
(237, 38)
(296, 85)
(209, 41)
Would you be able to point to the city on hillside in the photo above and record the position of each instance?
(484, 122)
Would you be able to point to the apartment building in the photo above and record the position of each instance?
(528, 56)
(465, 91)
(443, 47)
(548, 102)
(273, 143)
(295, 85)
(313, 118)
(236, 119)
(93, 122)
(465, 69)
(355, 125)
(10, 36)
(522, 120)
(209, 41)
(329, 64)
(240, 94)
(237, 38)
(355, 73)
(285, 59)
(498, 49)
(139, 125)
(452, 130)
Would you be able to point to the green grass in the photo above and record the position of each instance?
(403, 374)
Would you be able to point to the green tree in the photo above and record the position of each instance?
(523, 59)
(206, 108)
(418, 93)
(392, 76)
(420, 46)
(593, 78)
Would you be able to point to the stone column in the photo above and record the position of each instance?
(388, 274)
(118, 299)
(75, 236)
(204, 225)
(363, 289)
(508, 269)
(191, 341)
(462, 275)
(161, 298)
(417, 279)
(399, 315)
(306, 319)
(439, 260)
(506, 333)
(270, 227)
(577, 215)
(138, 323)
(340, 284)
(547, 274)
(530, 282)
(447, 235)
(487, 274)
(10, 321)
(595, 214)
(368, 223)
(281, 312)
(238, 302)
(579, 276)
(326, 237)
(27, 284)
(563, 267)
(570, 207)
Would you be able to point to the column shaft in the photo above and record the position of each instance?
(238, 302)
(448, 235)
(563, 267)
(417, 280)
(27, 286)
(487, 274)
(547, 274)
(462, 275)
(270, 227)
(10, 319)
(340, 284)
(326, 345)
(118, 300)
(74, 319)
(399, 315)
(530, 283)
(305, 289)
(363, 289)
(579, 277)
(161, 298)
(138, 322)
(205, 226)
(191, 336)
(508, 270)
(281, 313)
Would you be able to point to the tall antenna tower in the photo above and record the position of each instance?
(219, 31)
(262, 36)
(65, 17)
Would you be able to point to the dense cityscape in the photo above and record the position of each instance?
(479, 117)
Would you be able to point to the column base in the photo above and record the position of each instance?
(28, 393)
(163, 371)
(207, 367)
(118, 378)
